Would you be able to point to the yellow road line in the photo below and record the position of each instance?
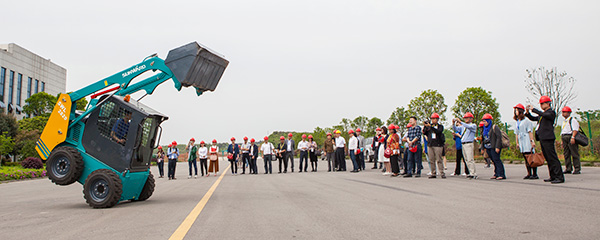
(191, 218)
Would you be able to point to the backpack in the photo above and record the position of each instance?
(505, 139)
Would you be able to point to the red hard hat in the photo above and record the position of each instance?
(170, 145)
(233, 139)
(358, 130)
(378, 129)
(159, 147)
(435, 115)
(408, 125)
(174, 143)
(566, 109)
(214, 141)
(328, 134)
(202, 142)
(245, 138)
(351, 131)
(266, 138)
(192, 139)
(290, 134)
(519, 106)
(303, 135)
(252, 140)
(468, 115)
(310, 136)
(391, 126)
(281, 138)
(545, 99)
(487, 116)
(481, 123)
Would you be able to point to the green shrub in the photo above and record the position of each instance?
(20, 173)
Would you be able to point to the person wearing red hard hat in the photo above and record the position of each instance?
(312, 153)
(374, 148)
(340, 151)
(352, 150)
(393, 143)
(267, 150)
(361, 149)
(289, 152)
(233, 150)
(415, 159)
(329, 148)
(434, 133)
(192, 157)
(173, 155)
(492, 144)
(203, 157)
(280, 152)
(253, 156)
(303, 148)
(245, 149)
(569, 130)
(160, 161)
(524, 138)
(545, 135)
(213, 156)
(464, 134)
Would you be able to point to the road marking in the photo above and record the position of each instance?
(187, 223)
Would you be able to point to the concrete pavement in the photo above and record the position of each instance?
(318, 205)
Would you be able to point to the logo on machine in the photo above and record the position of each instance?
(133, 70)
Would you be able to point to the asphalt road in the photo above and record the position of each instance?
(318, 205)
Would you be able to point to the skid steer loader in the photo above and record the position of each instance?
(108, 147)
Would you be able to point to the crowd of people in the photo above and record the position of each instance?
(400, 154)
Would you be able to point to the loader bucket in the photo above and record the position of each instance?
(197, 66)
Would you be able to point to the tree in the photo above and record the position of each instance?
(8, 125)
(427, 103)
(6, 145)
(359, 122)
(399, 116)
(594, 115)
(81, 104)
(477, 101)
(25, 143)
(345, 123)
(557, 85)
(39, 104)
(34, 123)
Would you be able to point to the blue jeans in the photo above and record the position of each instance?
(353, 158)
(415, 160)
(498, 165)
(303, 158)
(193, 163)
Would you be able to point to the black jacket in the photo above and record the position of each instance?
(254, 153)
(439, 140)
(546, 118)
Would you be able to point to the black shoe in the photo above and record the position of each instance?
(533, 177)
(374, 168)
(548, 180)
(556, 181)
(407, 175)
(567, 172)
(470, 177)
(576, 172)
(418, 175)
(328, 170)
(444, 176)
(285, 171)
(527, 177)
(432, 176)
(299, 171)
(354, 171)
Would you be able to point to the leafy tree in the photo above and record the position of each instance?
(557, 85)
(477, 101)
(8, 125)
(34, 123)
(25, 143)
(346, 125)
(399, 116)
(359, 122)
(427, 103)
(594, 115)
(81, 104)
(373, 124)
(7, 145)
(39, 104)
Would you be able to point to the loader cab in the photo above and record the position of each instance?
(122, 134)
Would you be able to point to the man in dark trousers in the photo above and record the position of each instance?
(375, 147)
(545, 134)
(233, 150)
(435, 141)
(289, 153)
(253, 156)
(281, 156)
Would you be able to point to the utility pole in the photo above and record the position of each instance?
(590, 130)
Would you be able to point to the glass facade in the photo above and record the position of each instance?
(2, 81)
(11, 83)
(19, 87)
(29, 80)
(37, 85)
(43, 87)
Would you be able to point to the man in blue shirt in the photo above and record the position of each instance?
(173, 155)
(466, 132)
(120, 129)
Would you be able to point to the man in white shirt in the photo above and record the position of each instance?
(267, 151)
(570, 129)
(245, 155)
(303, 147)
(352, 147)
(289, 153)
(340, 151)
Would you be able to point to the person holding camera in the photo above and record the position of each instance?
(465, 132)
(545, 135)
(435, 140)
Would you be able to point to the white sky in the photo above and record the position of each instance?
(295, 65)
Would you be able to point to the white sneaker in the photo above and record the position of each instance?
(190, 176)
(195, 176)
(463, 174)
(429, 174)
(452, 174)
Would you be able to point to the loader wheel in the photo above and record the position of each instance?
(102, 189)
(148, 188)
(64, 165)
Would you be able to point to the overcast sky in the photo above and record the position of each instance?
(295, 65)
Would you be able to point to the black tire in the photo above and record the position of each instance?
(64, 165)
(148, 189)
(102, 189)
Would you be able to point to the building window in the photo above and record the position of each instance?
(19, 84)
(2, 80)
(43, 87)
(37, 84)
(11, 83)
(29, 80)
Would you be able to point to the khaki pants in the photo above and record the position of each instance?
(435, 156)
(467, 149)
